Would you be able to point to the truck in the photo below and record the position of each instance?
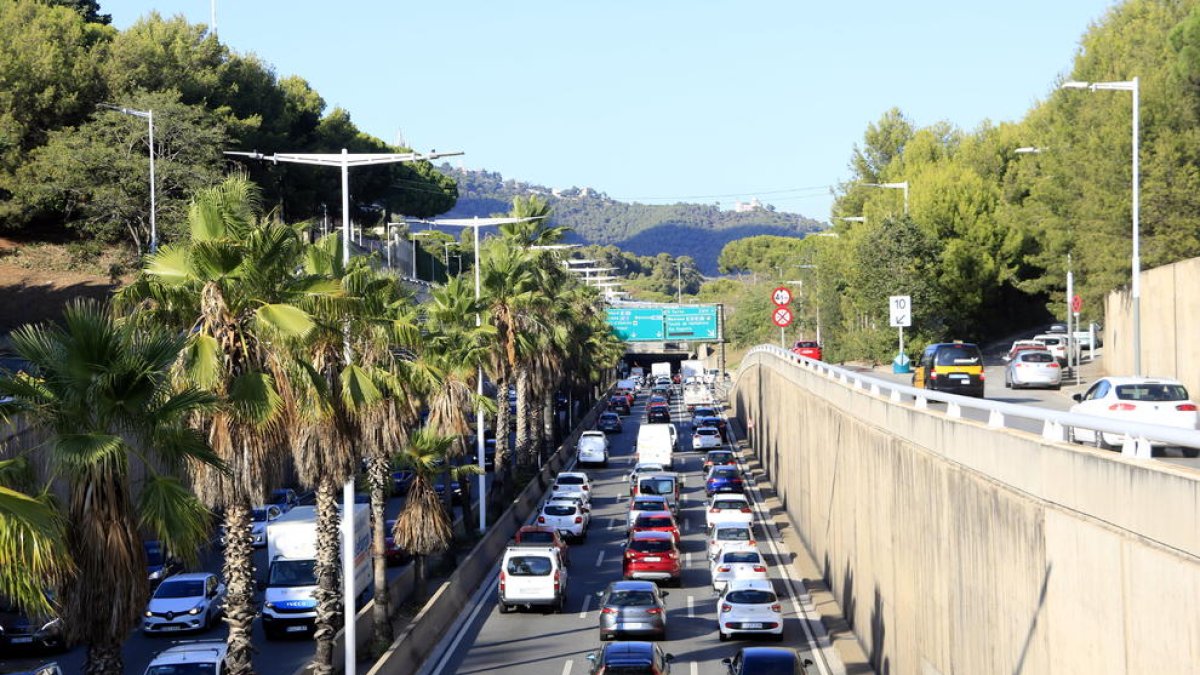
(691, 369)
(697, 396)
(661, 369)
(289, 603)
(656, 443)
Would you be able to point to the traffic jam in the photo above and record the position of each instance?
(651, 553)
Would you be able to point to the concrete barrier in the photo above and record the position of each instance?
(958, 548)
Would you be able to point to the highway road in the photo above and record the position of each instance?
(535, 642)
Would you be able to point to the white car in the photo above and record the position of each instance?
(728, 507)
(260, 517)
(643, 467)
(1144, 400)
(750, 606)
(730, 537)
(196, 656)
(1057, 344)
(565, 516)
(1033, 368)
(191, 601)
(570, 483)
(706, 438)
(593, 448)
(643, 504)
(737, 565)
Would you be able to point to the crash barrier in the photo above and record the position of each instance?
(963, 546)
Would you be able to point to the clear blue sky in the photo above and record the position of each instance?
(656, 100)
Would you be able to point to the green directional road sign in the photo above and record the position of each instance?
(640, 324)
(697, 322)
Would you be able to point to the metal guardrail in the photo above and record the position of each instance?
(1056, 426)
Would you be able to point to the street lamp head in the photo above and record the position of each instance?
(1029, 151)
(1075, 84)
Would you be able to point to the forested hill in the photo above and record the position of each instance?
(697, 230)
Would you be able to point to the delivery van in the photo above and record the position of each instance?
(656, 443)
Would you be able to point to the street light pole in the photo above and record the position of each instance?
(148, 115)
(1136, 282)
(679, 282)
(902, 185)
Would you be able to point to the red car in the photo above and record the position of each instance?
(808, 349)
(656, 521)
(533, 534)
(391, 552)
(652, 555)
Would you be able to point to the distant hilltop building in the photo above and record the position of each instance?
(752, 205)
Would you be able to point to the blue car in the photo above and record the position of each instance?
(724, 478)
(766, 661)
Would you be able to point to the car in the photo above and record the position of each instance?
(456, 494)
(1056, 328)
(730, 536)
(401, 480)
(702, 411)
(714, 421)
(658, 414)
(643, 467)
(285, 498)
(1020, 346)
(544, 536)
(723, 478)
(619, 404)
(652, 555)
(766, 661)
(749, 606)
(20, 630)
(955, 367)
(1059, 344)
(645, 504)
(656, 521)
(728, 507)
(565, 516)
(1145, 400)
(718, 458)
(1033, 368)
(666, 483)
(630, 658)
(706, 438)
(159, 563)
(570, 483)
(392, 553)
(190, 601)
(633, 608)
(260, 517)
(609, 422)
(808, 349)
(193, 657)
(735, 565)
(592, 448)
(532, 575)
(44, 669)
(664, 390)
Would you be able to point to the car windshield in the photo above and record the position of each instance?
(958, 356)
(258, 515)
(631, 599)
(292, 573)
(650, 545)
(558, 510)
(570, 480)
(656, 486)
(1151, 392)
(742, 557)
(728, 504)
(183, 669)
(537, 537)
(733, 534)
(180, 589)
(653, 521)
(1037, 357)
(750, 597)
(528, 566)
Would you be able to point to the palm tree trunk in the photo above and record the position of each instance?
(103, 659)
(419, 580)
(240, 609)
(549, 422)
(524, 442)
(468, 513)
(328, 593)
(378, 475)
(501, 467)
(535, 423)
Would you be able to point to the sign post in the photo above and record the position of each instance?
(1076, 305)
(782, 316)
(900, 315)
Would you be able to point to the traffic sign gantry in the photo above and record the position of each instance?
(782, 317)
(781, 296)
(1076, 304)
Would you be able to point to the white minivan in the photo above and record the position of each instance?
(593, 448)
(656, 443)
(532, 575)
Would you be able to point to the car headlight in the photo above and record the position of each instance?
(156, 575)
(196, 610)
(51, 627)
(269, 605)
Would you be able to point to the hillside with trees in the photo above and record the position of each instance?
(698, 231)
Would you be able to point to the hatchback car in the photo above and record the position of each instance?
(734, 565)
(713, 421)
(706, 438)
(729, 507)
(718, 458)
(392, 552)
(619, 404)
(732, 537)
(658, 414)
(191, 601)
(633, 608)
(702, 411)
(569, 483)
(652, 555)
(766, 661)
(1135, 399)
(1058, 344)
(1021, 346)
(546, 536)
(808, 349)
(565, 516)
(21, 631)
(645, 504)
(196, 656)
(609, 422)
(656, 521)
(630, 658)
(749, 606)
(1033, 368)
(723, 478)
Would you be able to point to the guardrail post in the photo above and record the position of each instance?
(1137, 448)
(995, 419)
(895, 396)
(875, 391)
(1053, 431)
(921, 403)
(953, 409)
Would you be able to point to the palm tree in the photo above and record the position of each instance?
(103, 395)
(234, 290)
(32, 537)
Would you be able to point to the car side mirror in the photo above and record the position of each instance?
(727, 661)
(665, 593)
(668, 657)
(1077, 397)
(592, 657)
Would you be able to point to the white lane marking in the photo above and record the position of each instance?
(600, 559)
(695, 668)
(691, 607)
(687, 559)
(587, 600)
(567, 668)
(687, 524)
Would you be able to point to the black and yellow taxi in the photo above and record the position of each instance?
(955, 367)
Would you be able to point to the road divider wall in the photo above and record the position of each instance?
(955, 547)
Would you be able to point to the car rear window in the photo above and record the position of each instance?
(610, 417)
(570, 480)
(725, 472)
(728, 504)
(1037, 357)
(958, 355)
(742, 557)
(537, 537)
(631, 599)
(1152, 392)
(650, 545)
(656, 486)
(649, 505)
(627, 669)
(733, 534)
(750, 597)
(652, 521)
(559, 510)
(706, 432)
(529, 566)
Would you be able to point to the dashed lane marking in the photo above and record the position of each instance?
(567, 668)
(587, 600)
(600, 559)
(691, 607)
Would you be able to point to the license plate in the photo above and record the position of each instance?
(653, 558)
(295, 629)
(22, 640)
(959, 376)
(752, 626)
(172, 627)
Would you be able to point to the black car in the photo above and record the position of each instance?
(609, 421)
(456, 496)
(658, 414)
(631, 658)
(619, 404)
(19, 631)
(766, 661)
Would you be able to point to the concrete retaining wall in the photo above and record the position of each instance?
(1170, 320)
(956, 548)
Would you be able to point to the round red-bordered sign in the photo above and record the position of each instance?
(781, 296)
(1076, 304)
(782, 317)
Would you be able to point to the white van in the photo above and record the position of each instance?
(593, 448)
(656, 443)
(532, 575)
(665, 484)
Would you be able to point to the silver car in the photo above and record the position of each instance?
(633, 608)
(1033, 368)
